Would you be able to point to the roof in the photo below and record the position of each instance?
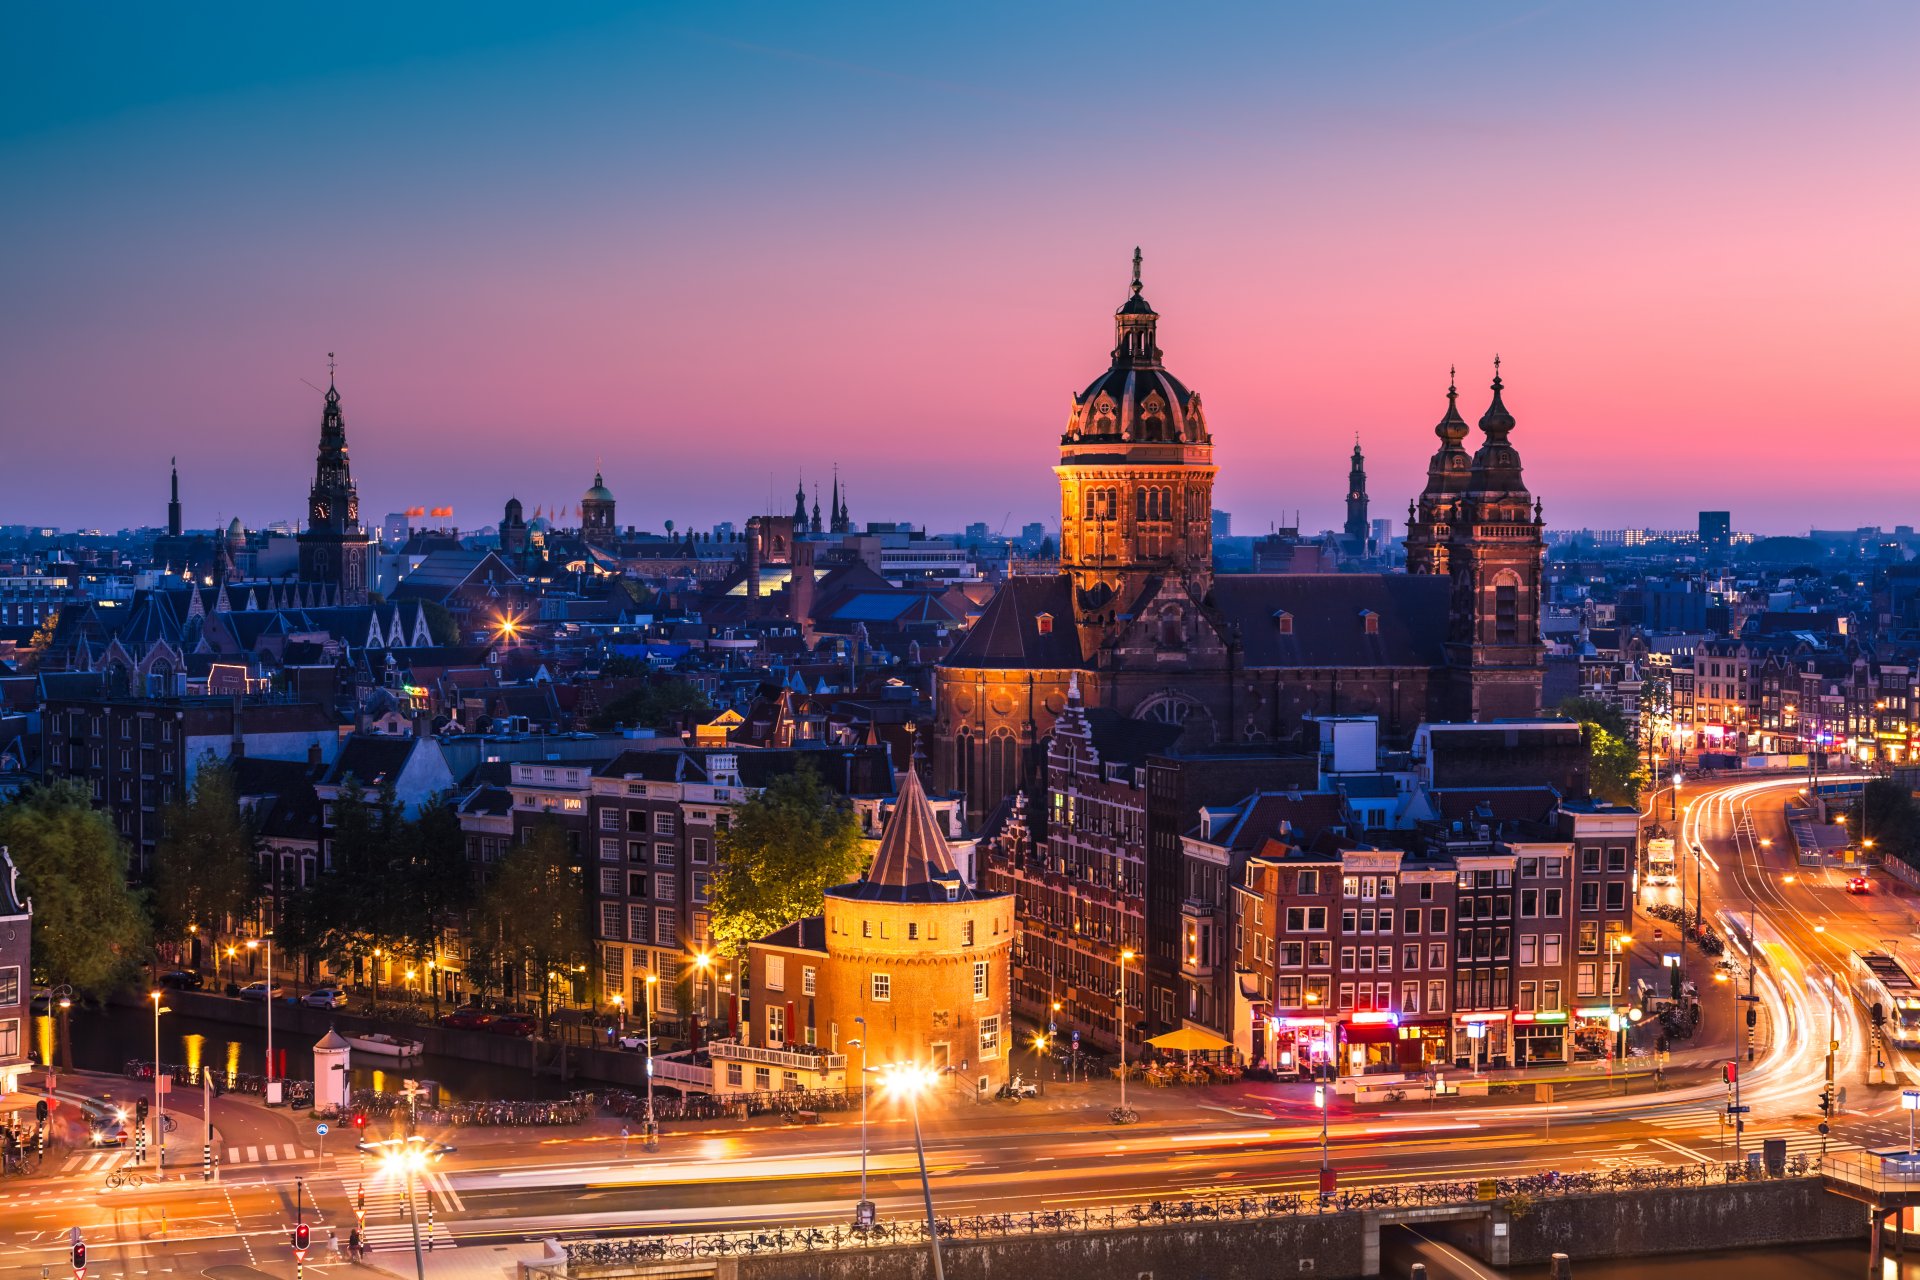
(1325, 622)
(809, 934)
(372, 759)
(1009, 633)
(913, 864)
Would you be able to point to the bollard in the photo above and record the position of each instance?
(1418, 1271)
(1562, 1268)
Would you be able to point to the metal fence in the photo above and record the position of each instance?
(1511, 1194)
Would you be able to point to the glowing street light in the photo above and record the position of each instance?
(159, 1097)
(910, 1081)
(406, 1158)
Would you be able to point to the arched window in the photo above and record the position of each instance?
(1140, 511)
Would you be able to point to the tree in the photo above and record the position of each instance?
(431, 883)
(351, 908)
(1615, 770)
(787, 846)
(204, 870)
(89, 929)
(533, 917)
(657, 705)
(1892, 820)
(441, 627)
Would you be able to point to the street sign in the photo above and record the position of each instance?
(1735, 1111)
(321, 1128)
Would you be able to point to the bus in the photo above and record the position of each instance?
(1662, 867)
(1885, 981)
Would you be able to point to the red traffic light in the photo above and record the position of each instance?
(359, 1119)
(1730, 1072)
(302, 1237)
(79, 1259)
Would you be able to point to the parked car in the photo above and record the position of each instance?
(325, 998)
(258, 991)
(466, 1019)
(512, 1024)
(1859, 884)
(182, 980)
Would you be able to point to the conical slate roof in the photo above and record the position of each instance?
(913, 864)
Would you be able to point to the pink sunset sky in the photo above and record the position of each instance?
(717, 247)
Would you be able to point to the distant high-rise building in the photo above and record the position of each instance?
(1222, 524)
(977, 531)
(1716, 530)
(1033, 534)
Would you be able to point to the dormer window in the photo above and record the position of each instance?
(1283, 622)
(1043, 623)
(1369, 622)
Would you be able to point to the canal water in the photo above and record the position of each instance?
(105, 1039)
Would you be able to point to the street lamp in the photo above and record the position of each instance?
(863, 1214)
(1673, 797)
(405, 1158)
(703, 969)
(1123, 1115)
(1322, 1101)
(159, 1096)
(620, 1011)
(912, 1081)
(1039, 1048)
(226, 975)
(252, 945)
(653, 1137)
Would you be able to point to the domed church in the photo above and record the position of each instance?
(1138, 615)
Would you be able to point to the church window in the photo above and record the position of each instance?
(1140, 511)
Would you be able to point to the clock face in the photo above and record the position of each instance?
(321, 509)
(353, 510)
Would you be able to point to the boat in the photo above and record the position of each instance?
(382, 1045)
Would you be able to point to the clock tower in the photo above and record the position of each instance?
(333, 547)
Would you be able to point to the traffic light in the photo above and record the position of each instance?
(40, 1111)
(1826, 1101)
(140, 1110)
(79, 1259)
(302, 1236)
(1878, 1013)
(359, 1119)
(1730, 1071)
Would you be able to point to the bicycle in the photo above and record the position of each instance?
(118, 1179)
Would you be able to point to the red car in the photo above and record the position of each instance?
(511, 1024)
(466, 1020)
(1859, 884)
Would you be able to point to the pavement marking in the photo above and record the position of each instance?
(253, 1153)
(233, 1155)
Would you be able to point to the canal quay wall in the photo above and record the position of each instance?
(1334, 1246)
(295, 1023)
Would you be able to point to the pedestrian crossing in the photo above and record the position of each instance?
(388, 1221)
(1711, 1138)
(107, 1159)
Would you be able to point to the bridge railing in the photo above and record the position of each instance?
(587, 1257)
(1871, 1173)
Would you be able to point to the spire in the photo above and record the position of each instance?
(1134, 324)
(1136, 271)
(833, 514)
(913, 848)
(799, 505)
(1452, 428)
(173, 503)
(1496, 421)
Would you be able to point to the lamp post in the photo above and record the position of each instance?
(653, 1137)
(1321, 1100)
(159, 1096)
(1039, 1048)
(863, 1215)
(1123, 1114)
(703, 972)
(373, 971)
(226, 975)
(405, 1158)
(620, 1011)
(911, 1080)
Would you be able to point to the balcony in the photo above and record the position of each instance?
(799, 1058)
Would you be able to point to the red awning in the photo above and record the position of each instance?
(1369, 1032)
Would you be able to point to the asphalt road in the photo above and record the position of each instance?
(1058, 1153)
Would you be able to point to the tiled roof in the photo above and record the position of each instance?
(1326, 618)
(913, 864)
(1009, 632)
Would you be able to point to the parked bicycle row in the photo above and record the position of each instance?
(296, 1093)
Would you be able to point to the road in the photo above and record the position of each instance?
(501, 1187)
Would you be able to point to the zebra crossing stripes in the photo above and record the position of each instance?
(389, 1222)
(272, 1151)
(103, 1161)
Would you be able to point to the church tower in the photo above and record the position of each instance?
(514, 535)
(1430, 517)
(173, 504)
(334, 552)
(1496, 553)
(1136, 478)
(596, 514)
(1358, 533)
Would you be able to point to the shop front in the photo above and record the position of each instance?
(1481, 1040)
(1369, 1043)
(1423, 1044)
(1539, 1037)
(1294, 1046)
(1592, 1033)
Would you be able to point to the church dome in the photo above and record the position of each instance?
(1136, 400)
(599, 492)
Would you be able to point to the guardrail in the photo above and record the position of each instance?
(1510, 1194)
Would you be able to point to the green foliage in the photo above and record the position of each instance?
(656, 705)
(89, 929)
(1892, 820)
(533, 916)
(787, 846)
(1615, 772)
(204, 870)
(440, 624)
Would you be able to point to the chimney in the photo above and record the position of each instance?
(313, 755)
(422, 724)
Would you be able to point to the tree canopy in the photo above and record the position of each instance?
(1615, 770)
(204, 869)
(786, 847)
(533, 916)
(655, 705)
(89, 929)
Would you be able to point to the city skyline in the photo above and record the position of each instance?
(479, 218)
